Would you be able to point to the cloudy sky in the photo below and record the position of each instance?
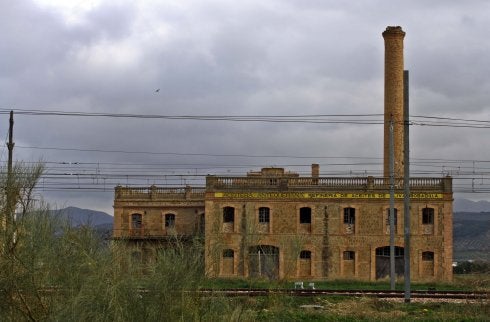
(237, 58)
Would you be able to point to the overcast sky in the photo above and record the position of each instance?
(207, 57)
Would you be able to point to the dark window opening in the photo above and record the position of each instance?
(264, 215)
(427, 256)
(136, 221)
(228, 214)
(305, 254)
(428, 216)
(305, 215)
(169, 220)
(349, 255)
(395, 211)
(385, 251)
(228, 253)
(349, 215)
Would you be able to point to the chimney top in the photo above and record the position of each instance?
(393, 31)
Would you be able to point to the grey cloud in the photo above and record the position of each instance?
(215, 57)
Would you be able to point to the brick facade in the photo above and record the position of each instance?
(330, 244)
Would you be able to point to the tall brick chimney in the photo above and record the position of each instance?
(315, 170)
(393, 37)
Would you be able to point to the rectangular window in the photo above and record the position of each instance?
(305, 215)
(228, 214)
(428, 216)
(136, 221)
(349, 255)
(349, 215)
(169, 220)
(264, 215)
(395, 211)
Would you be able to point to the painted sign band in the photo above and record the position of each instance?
(322, 195)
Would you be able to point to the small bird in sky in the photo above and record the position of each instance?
(158, 90)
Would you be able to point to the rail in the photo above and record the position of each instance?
(466, 295)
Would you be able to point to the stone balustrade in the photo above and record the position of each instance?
(159, 193)
(330, 183)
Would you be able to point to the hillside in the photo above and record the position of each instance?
(100, 221)
(465, 205)
(81, 217)
(471, 236)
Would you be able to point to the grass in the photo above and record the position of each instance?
(478, 282)
(337, 308)
(461, 282)
(285, 308)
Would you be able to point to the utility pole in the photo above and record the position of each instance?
(10, 144)
(9, 215)
(392, 207)
(406, 187)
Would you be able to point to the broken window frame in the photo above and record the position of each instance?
(136, 221)
(349, 215)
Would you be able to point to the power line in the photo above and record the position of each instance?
(307, 118)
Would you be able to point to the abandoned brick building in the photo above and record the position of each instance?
(278, 224)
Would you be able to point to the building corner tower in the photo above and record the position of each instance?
(393, 98)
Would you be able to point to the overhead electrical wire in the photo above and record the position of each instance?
(110, 177)
(307, 118)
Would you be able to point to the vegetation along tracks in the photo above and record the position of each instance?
(427, 294)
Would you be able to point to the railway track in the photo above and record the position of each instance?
(430, 294)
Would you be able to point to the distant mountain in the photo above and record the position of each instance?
(80, 217)
(465, 205)
(471, 236)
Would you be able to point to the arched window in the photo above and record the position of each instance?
(136, 221)
(228, 214)
(228, 253)
(427, 256)
(385, 251)
(169, 220)
(228, 262)
(305, 254)
(264, 215)
(305, 215)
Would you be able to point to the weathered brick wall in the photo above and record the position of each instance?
(328, 237)
(187, 217)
